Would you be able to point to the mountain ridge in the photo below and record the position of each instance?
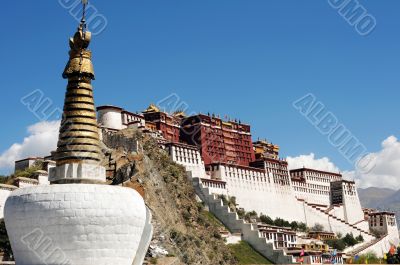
(383, 199)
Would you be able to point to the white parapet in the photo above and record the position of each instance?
(5, 191)
(75, 224)
(75, 171)
(110, 117)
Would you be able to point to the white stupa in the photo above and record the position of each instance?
(78, 220)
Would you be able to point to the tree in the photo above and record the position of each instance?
(302, 227)
(3, 179)
(282, 223)
(318, 228)
(349, 240)
(250, 215)
(294, 225)
(342, 243)
(336, 244)
(224, 199)
(241, 212)
(266, 220)
(232, 203)
(360, 238)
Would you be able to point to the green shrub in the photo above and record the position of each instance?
(241, 213)
(345, 242)
(5, 245)
(336, 244)
(349, 240)
(369, 258)
(245, 254)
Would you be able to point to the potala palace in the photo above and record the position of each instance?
(221, 159)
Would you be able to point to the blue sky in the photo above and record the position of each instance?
(246, 59)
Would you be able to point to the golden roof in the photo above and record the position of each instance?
(152, 108)
(180, 113)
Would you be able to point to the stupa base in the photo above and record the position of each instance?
(76, 224)
(78, 173)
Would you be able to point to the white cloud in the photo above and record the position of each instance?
(382, 171)
(309, 161)
(42, 139)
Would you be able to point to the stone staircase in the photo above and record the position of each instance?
(249, 232)
(356, 230)
(359, 222)
(330, 209)
(366, 246)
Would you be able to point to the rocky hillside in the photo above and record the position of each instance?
(181, 225)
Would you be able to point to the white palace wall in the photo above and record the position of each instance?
(312, 192)
(338, 211)
(111, 118)
(313, 185)
(5, 191)
(189, 157)
(351, 202)
(117, 118)
(215, 186)
(313, 217)
(256, 191)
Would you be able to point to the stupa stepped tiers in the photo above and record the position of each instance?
(76, 219)
(78, 154)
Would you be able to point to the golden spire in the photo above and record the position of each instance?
(79, 136)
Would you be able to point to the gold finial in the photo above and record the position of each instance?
(84, 3)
